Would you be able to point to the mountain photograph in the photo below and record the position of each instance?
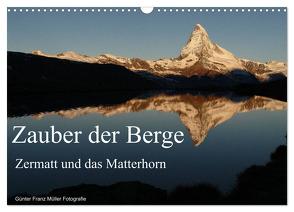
(219, 78)
(201, 65)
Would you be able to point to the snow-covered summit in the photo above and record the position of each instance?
(197, 43)
(208, 54)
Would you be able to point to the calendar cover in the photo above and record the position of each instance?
(165, 106)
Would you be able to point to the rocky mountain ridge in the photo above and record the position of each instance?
(199, 57)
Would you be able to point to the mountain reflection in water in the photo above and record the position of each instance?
(247, 130)
(198, 113)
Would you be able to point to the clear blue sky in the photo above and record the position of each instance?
(258, 36)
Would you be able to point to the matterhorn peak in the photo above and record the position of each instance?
(197, 43)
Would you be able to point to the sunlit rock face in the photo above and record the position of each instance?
(199, 114)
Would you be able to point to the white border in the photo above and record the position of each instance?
(137, 3)
(147, 3)
(147, 9)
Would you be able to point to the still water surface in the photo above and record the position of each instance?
(223, 137)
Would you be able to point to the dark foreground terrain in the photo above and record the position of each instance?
(256, 185)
